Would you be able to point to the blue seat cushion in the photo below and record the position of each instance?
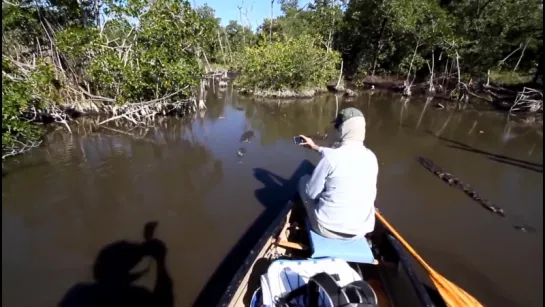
(351, 250)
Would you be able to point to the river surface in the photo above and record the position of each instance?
(65, 201)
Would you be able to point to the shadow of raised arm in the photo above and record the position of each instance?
(114, 277)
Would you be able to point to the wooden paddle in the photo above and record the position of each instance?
(452, 294)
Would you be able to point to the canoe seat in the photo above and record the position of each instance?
(351, 250)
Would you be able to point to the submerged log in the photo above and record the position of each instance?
(468, 190)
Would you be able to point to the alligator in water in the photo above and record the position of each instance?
(247, 136)
(457, 183)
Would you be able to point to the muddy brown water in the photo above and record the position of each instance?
(65, 201)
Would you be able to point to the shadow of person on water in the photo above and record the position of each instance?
(532, 166)
(273, 190)
(273, 196)
(114, 276)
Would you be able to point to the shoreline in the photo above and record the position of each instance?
(63, 115)
(136, 114)
(511, 98)
(283, 93)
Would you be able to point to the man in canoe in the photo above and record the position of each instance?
(339, 197)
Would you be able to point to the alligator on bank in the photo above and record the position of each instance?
(457, 183)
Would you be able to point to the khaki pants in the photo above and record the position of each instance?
(310, 205)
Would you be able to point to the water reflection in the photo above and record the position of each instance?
(64, 201)
(537, 167)
(98, 187)
(280, 118)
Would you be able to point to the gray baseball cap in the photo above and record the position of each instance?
(346, 114)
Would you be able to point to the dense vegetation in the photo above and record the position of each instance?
(119, 55)
(291, 64)
(383, 36)
(133, 56)
(378, 37)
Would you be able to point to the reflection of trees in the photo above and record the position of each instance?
(96, 187)
(215, 104)
(387, 116)
(281, 119)
(93, 179)
(469, 125)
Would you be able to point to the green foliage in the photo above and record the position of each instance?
(78, 42)
(291, 64)
(324, 17)
(386, 33)
(21, 90)
(209, 37)
(19, 24)
(141, 50)
(299, 53)
(321, 20)
(15, 97)
(493, 30)
(45, 85)
(158, 56)
(509, 77)
(239, 36)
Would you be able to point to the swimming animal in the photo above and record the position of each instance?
(468, 190)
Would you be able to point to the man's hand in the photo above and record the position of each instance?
(308, 142)
(156, 249)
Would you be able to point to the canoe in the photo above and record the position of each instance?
(391, 275)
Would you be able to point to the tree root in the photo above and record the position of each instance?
(18, 148)
(137, 113)
(140, 114)
(528, 99)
